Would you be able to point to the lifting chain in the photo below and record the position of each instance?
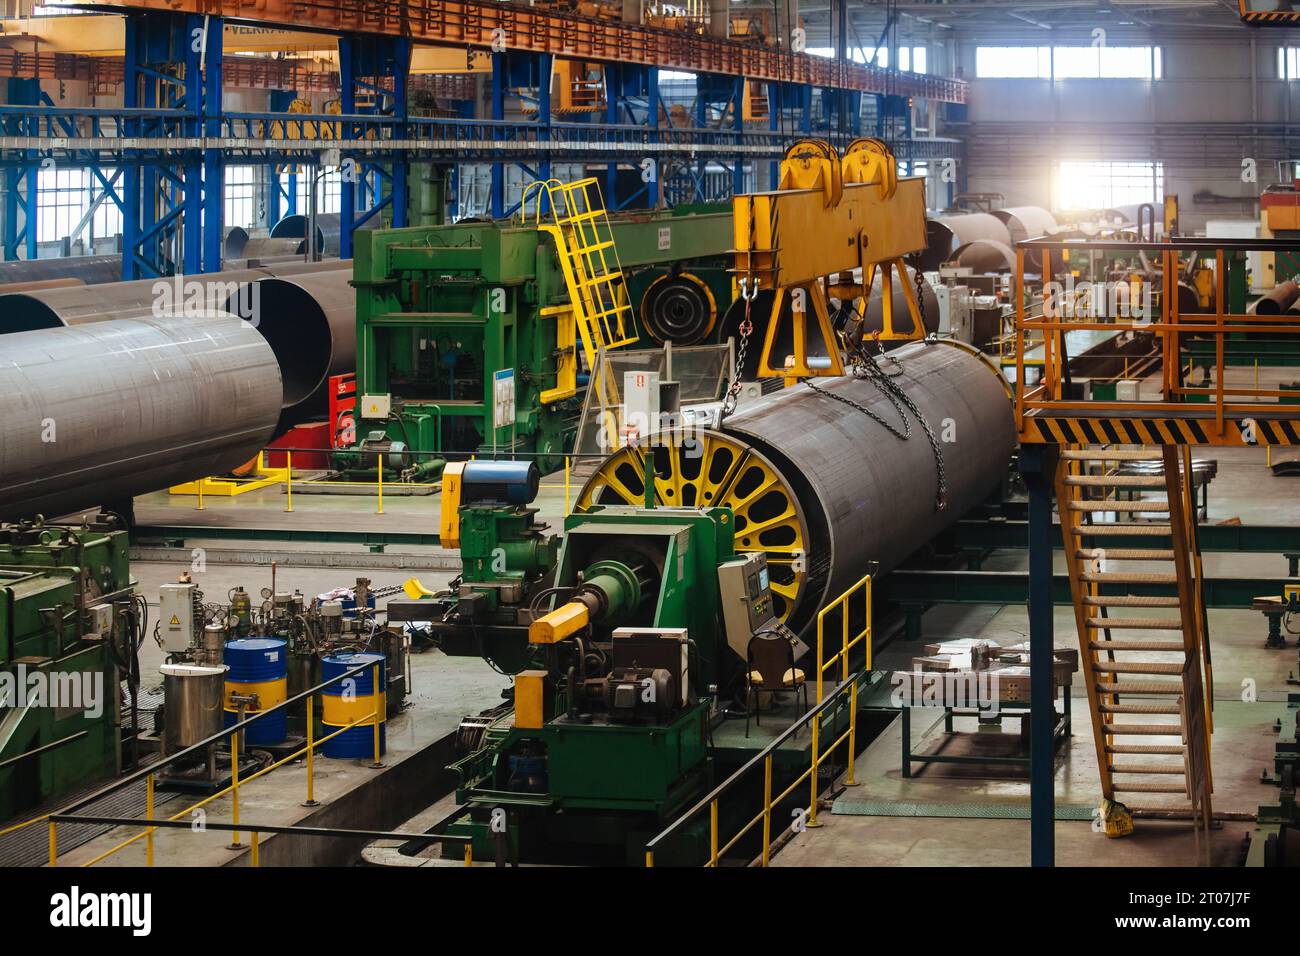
(872, 369)
(748, 293)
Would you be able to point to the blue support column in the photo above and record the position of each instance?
(614, 80)
(498, 93)
(545, 64)
(214, 165)
(776, 101)
(1038, 466)
(22, 185)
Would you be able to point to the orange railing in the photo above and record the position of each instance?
(1047, 324)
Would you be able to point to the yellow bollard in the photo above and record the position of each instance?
(148, 815)
(288, 480)
(469, 853)
(311, 755)
(649, 858)
(380, 458)
(54, 844)
(200, 486)
(566, 485)
(256, 860)
(374, 673)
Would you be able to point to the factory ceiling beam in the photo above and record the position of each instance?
(483, 24)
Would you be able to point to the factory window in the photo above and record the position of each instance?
(910, 59)
(1013, 62)
(1094, 185)
(1288, 62)
(107, 220)
(1068, 62)
(1106, 62)
(64, 196)
(327, 190)
(241, 196)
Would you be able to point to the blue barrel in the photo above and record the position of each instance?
(258, 665)
(355, 701)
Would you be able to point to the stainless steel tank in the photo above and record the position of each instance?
(103, 412)
(826, 491)
(192, 695)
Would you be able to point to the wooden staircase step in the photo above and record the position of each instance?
(1114, 454)
(1136, 667)
(1116, 481)
(1136, 646)
(1145, 749)
(1150, 708)
(1118, 505)
(1123, 528)
(1142, 687)
(1144, 730)
(1131, 600)
(1165, 768)
(1138, 787)
(1124, 554)
(1128, 577)
(1136, 623)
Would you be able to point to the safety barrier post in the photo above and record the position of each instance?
(256, 859)
(812, 774)
(311, 754)
(374, 672)
(380, 459)
(148, 814)
(566, 485)
(234, 786)
(767, 809)
(288, 480)
(469, 853)
(200, 486)
(853, 733)
(54, 844)
(713, 833)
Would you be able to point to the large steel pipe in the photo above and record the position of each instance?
(1281, 298)
(89, 269)
(822, 488)
(946, 234)
(54, 308)
(328, 228)
(100, 413)
(310, 320)
(1026, 222)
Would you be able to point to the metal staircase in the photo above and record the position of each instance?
(1145, 655)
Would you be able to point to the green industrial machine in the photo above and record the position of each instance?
(627, 636)
(70, 628)
(467, 336)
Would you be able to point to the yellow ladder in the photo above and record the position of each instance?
(1145, 659)
(584, 244)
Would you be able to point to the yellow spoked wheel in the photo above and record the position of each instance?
(709, 469)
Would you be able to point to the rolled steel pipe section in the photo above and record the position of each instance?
(91, 270)
(101, 413)
(946, 234)
(823, 489)
(1277, 300)
(310, 321)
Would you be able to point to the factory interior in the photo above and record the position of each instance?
(637, 434)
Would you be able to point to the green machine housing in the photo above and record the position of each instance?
(441, 310)
(68, 612)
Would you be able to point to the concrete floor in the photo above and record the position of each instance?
(1242, 745)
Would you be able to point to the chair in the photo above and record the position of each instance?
(769, 660)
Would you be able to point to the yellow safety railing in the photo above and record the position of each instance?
(846, 692)
(234, 733)
(847, 643)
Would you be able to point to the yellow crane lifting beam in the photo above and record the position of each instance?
(829, 217)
